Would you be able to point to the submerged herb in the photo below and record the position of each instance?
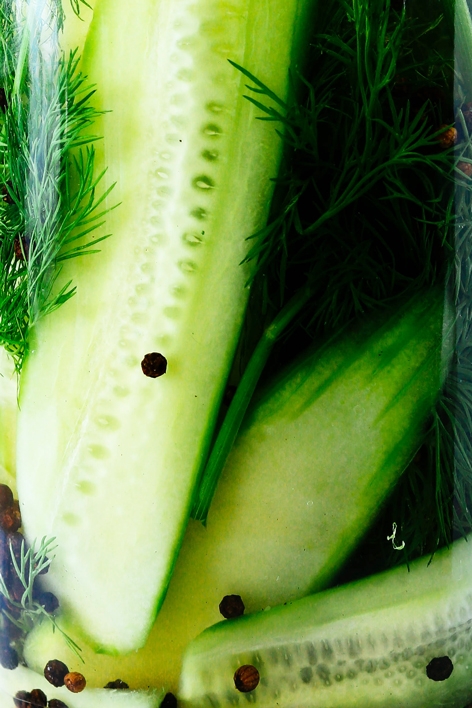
(49, 204)
(363, 212)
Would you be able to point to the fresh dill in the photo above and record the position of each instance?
(49, 201)
(22, 608)
(363, 209)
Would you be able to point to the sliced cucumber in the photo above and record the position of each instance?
(346, 417)
(108, 457)
(23, 679)
(8, 417)
(365, 645)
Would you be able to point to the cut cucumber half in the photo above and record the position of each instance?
(384, 642)
(276, 530)
(23, 679)
(8, 416)
(107, 456)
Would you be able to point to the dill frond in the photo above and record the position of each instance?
(49, 192)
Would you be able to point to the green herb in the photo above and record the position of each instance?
(364, 210)
(48, 187)
(28, 566)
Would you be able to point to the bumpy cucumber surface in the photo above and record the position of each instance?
(23, 679)
(342, 422)
(365, 645)
(108, 457)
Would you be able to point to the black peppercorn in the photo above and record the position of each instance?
(22, 699)
(231, 606)
(246, 678)
(439, 668)
(6, 497)
(55, 671)
(8, 655)
(48, 601)
(56, 703)
(169, 701)
(154, 365)
(38, 698)
(117, 683)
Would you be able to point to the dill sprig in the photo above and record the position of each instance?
(28, 564)
(363, 208)
(49, 205)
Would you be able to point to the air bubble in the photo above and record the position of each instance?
(212, 130)
(193, 238)
(199, 213)
(203, 182)
(188, 266)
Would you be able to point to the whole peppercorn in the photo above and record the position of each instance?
(22, 699)
(169, 701)
(8, 655)
(56, 703)
(48, 601)
(74, 682)
(6, 497)
(439, 668)
(154, 365)
(231, 606)
(246, 678)
(54, 672)
(10, 518)
(117, 684)
(38, 698)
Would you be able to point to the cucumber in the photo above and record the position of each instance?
(276, 530)
(8, 417)
(108, 457)
(23, 679)
(368, 644)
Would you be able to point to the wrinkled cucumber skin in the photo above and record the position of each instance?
(364, 645)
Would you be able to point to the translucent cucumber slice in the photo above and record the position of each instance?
(276, 529)
(397, 639)
(108, 457)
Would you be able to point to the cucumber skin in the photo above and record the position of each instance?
(262, 539)
(363, 645)
(107, 459)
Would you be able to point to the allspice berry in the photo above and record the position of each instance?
(6, 497)
(55, 671)
(231, 606)
(246, 678)
(74, 682)
(10, 518)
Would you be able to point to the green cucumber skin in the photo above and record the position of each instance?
(264, 539)
(108, 458)
(363, 645)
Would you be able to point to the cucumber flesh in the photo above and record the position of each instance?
(276, 530)
(107, 457)
(365, 644)
(23, 679)
(8, 417)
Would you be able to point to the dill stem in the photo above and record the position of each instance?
(21, 62)
(239, 405)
